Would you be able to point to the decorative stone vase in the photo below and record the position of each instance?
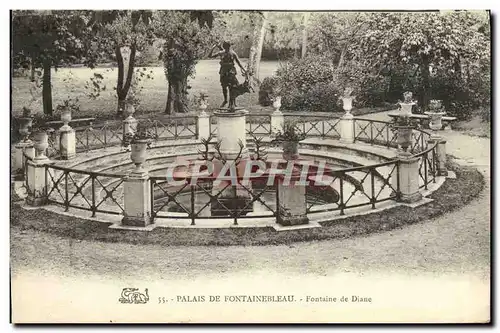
(404, 136)
(406, 108)
(203, 106)
(347, 104)
(66, 117)
(277, 103)
(138, 153)
(436, 117)
(129, 110)
(41, 138)
(24, 127)
(290, 150)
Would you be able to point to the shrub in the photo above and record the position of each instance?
(460, 98)
(266, 90)
(305, 84)
(323, 96)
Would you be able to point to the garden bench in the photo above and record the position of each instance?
(424, 119)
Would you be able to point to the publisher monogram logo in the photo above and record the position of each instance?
(133, 296)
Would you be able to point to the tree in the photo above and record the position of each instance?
(336, 34)
(304, 25)
(424, 43)
(47, 39)
(259, 23)
(187, 38)
(121, 33)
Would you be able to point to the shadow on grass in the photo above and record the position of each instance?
(453, 194)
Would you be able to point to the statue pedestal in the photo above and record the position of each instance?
(292, 208)
(231, 129)
(230, 132)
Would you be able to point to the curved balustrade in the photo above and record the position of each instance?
(366, 185)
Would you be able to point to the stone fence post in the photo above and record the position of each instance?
(36, 181)
(347, 128)
(441, 154)
(408, 178)
(277, 121)
(22, 148)
(203, 125)
(67, 142)
(137, 199)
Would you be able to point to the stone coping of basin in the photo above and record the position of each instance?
(308, 154)
(95, 155)
(261, 222)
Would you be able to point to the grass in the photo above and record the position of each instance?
(71, 82)
(453, 194)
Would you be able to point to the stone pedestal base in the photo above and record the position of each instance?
(232, 130)
(408, 179)
(22, 148)
(67, 143)
(292, 200)
(37, 182)
(409, 198)
(347, 128)
(277, 121)
(440, 155)
(203, 126)
(137, 200)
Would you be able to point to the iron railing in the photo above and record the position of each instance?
(355, 187)
(86, 190)
(164, 196)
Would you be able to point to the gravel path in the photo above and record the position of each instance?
(455, 246)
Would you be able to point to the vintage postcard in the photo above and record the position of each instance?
(257, 166)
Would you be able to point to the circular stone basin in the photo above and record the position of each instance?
(257, 197)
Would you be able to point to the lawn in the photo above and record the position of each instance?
(70, 82)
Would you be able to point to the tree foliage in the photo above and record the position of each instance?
(121, 34)
(187, 39)
(48, 39)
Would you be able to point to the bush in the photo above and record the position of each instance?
(266, 89)
(304, 84)
(323, 96)
(459, 97)
(373, 91)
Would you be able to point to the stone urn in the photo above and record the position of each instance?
(406, 108)
(277, 103)
(435, 124)
(138, 153)
(347, 104)
(41, 138)
(129, 110)
(25, 126)
(404, 136)
(290, 150)
(66, 118)
(203, 106)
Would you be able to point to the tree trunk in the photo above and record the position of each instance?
(425, 83)
(259, 32)
(304, 34)
(341, 60)
(169, 107)
(47, 88)
(177, 101)
(32, 70)
(125, 57)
